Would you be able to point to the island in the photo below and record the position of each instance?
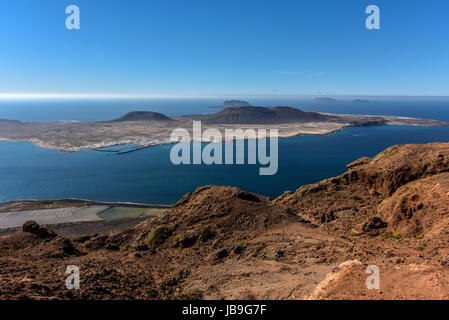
(232, 103)
(324, 99)
(360, 101)
(144, 128)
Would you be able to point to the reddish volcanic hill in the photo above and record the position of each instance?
(219, 242)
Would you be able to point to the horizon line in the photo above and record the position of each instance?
(50, 96)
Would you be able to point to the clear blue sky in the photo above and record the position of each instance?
(211, 47)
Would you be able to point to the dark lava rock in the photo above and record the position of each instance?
(223, 253)
(239, 249)
(142, 247)
(373, 224)
(219, 255)
(67, 247)
(188, 239)
(248, 196)
(327, 217)
(279, 254)
(34, 228)
(81, 239)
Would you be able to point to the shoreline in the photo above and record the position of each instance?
(83, 228)
(87, 202)
(282, 135)
(142, 129)
(111, 144)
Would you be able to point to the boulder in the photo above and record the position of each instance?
(34, 228)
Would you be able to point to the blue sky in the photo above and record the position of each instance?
(207, 48)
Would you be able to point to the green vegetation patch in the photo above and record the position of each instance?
(158, 236)
(396, 235)
(391, 236)
(130, 212)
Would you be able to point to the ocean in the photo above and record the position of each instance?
(148, 176)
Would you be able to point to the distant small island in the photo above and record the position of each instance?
(327, 99)
(232, 103)
(324, 99)
(142, 129)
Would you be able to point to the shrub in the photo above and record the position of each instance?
(86, 244)
(158, 236)
(190, 295)
(125, 246)
(206, 234)
(186, 240)
(396, 235)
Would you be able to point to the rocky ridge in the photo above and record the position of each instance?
(222, 242)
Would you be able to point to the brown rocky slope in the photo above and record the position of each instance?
(221, 242)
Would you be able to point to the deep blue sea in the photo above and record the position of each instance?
(148, 176)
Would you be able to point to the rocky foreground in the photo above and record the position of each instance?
(391, 211)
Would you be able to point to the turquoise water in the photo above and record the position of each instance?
(30, 172)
